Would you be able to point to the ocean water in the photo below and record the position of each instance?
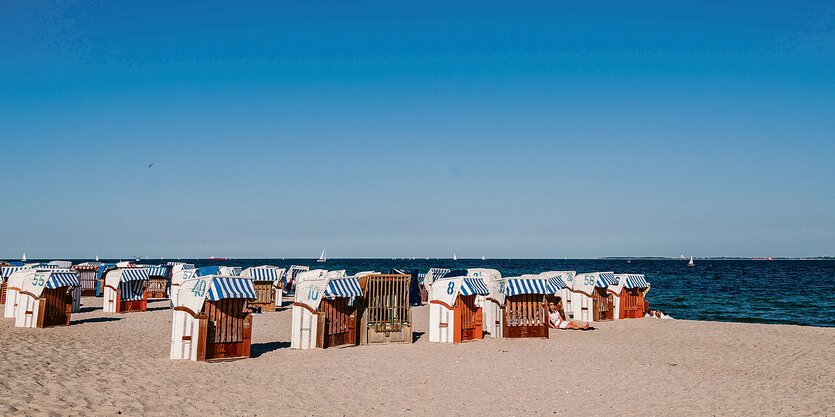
(779, 292)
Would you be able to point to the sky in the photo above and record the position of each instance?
(546, 129)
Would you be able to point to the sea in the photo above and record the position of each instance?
(800, 292)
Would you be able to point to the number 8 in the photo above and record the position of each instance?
(450, 288)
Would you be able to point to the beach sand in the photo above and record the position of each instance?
(109, 364)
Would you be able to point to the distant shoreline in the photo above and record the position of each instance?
(604, 258)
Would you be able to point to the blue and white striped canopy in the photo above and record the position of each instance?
(474, 286)
(636, 281)
(48, 266)
(518, 286)
(91, 264)
(157, 271)
(557, 283)
(134, 274)
(132, 290)
(231, 287)
(7, 271)
(264, 274)
(605, 279)
(63, 279)
(343, 287)
(436, 273)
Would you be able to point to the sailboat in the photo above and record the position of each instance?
(454, 258)
(23, 259)
(691, 263)
(483, 258)
(97, 258)
(323, 257)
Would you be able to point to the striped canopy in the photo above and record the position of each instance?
(231, 287)
(518, 286)
(605, 279)
(49, 266)
(434, 274)
(343, 287)
(157, 271)
(134, 274)
(63, 279)
(474, 286)
(266, 273)
(7, 271)
(557, 282)
(91, 264)
(636, 281)
(132, 290)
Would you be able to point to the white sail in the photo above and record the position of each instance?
(691, 263)
(323, 257)
(483, 258)
(23, 259)
(97, 258)
(454, 257)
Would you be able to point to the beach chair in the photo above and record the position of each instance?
(454, 315)
(211, 321)
(179, 273)
(124, 290)
(629, 296)
(87, 273)
(6, 272)
(265, 279)
(431, 276)
(385, 314)
(566, 280)
(589, 300)
(158, 279)
(286, 286)
(325, 311)
(525, 312)
(44, 297)
(491, 312)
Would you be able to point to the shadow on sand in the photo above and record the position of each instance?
(416, 336)
(96, 320)
(258, 349)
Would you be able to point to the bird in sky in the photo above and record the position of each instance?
(150, 165)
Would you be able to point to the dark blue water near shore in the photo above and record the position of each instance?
(787, 292)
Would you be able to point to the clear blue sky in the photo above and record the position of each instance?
(381, 129)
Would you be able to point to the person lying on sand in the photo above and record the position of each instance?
(556, 320)
(657, 314)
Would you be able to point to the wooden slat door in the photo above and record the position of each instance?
(340, 322)
(387, 300)
(264, 295)
(525, 316)
(467, 319)
(156, 287)
(55, 307)
(228, 329)
(88, 281)
(603, 305)
(632, 304)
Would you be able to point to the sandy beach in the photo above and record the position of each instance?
(109, 364)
